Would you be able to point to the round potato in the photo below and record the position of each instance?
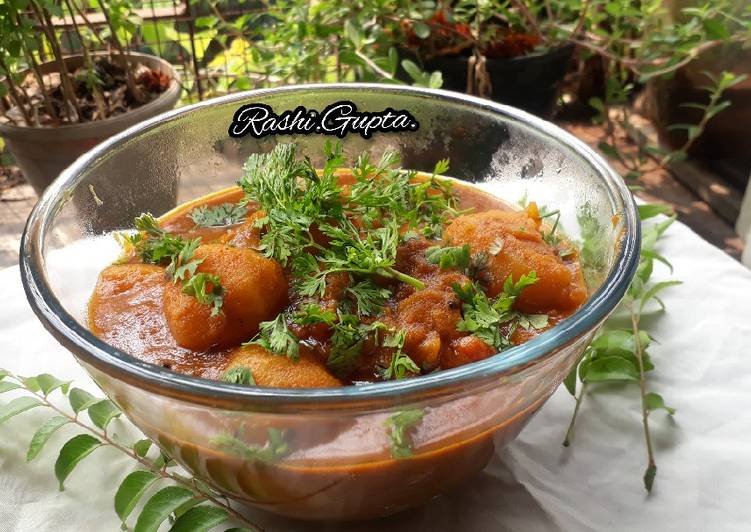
(519, 249)
(255, 290)
(280, 371)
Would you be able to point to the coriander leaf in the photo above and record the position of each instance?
(17, 406)
(401, 364)
(369, 297)
(398, 427)
(158, 508)
(347, 341)
(218, 215)
(43, 434)
(75, 449)
(239, 375)
(207, 289)
(277, 338)
(312, 314)
(449, 256)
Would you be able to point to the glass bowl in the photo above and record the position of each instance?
(332, 453)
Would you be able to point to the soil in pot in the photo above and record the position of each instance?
(55, 141)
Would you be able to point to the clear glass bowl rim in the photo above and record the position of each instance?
(93, 351)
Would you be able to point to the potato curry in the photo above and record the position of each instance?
(351, 273)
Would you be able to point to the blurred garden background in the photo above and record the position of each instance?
(661, 88)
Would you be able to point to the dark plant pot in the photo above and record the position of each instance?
(43, 152)
(528, 82)
(725, 143)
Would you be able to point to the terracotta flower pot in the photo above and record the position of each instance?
(43, 152)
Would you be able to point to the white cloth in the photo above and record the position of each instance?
(703, 455)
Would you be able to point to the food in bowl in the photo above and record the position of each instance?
(352, 274)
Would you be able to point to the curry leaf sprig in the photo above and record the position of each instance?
(156, 246)
(620, 353)
(186, 502)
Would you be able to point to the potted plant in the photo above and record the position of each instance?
(513, 52)
(52, 111)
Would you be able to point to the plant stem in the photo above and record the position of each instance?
(130, 81)
(161, 471)
(638, 351)
(14, 91)
(391, 273)
(96, 91)
(37, 73)
(378, 70)
(570, 432)
(69, 93)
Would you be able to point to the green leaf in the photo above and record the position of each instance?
(80, 400)
(4, 373)
(421, 29)
(141, 447)
(160, 506)
(570, 381)
(131, 490)
(103, 412)
(75, 449)
(16, 406)
(200, 519)
(42, 435)
(48, 384)
(611, 368)
(654, 401)
(412, 69)
(715, 29)
(649, 477)
(352, 33)
(651, 210)
(654, 290)
(6, 386)
(31, 383)
(436, 80)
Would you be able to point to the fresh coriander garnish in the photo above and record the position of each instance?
(293, 196)
(348, 336)
(276, 337)
(369, 297)
(218, 215)
(239, 375)
(207, 289)
(401, 364)
(483, 317)
(398, 427)
(449, 256)
(156, 246)
(349, 251)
